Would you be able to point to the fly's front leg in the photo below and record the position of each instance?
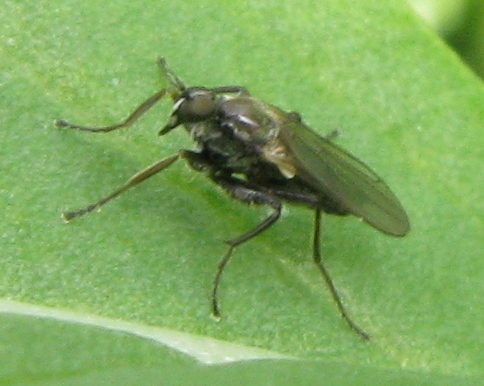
(133, 181)
(135, 115)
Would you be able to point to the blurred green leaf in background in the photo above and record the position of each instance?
(122, 296)
(461, 24)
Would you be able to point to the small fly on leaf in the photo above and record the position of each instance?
(260, 154)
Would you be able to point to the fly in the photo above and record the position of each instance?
(262, 155)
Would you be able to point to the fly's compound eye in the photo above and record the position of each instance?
(195, 104)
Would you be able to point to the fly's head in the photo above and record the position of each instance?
(192, 105)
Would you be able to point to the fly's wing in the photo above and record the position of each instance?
(345, 179)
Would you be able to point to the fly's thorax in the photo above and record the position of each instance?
(247, 120)
(242, 135)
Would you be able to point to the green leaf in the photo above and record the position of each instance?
(404, 103)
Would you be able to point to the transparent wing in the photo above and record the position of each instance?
(333, 171)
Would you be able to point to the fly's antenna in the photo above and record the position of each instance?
(170, 75)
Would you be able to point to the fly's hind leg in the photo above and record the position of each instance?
(327, 278)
